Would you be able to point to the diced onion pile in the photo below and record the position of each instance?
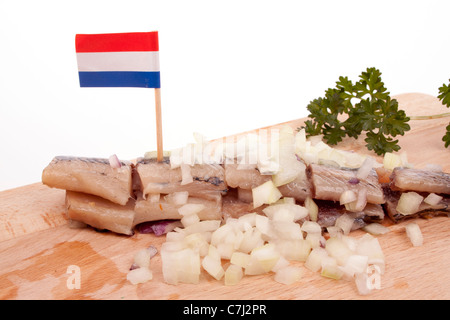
(257, 244)
(287, 233)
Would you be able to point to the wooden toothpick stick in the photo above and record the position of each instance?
(159, 139)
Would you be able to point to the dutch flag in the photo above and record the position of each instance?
(118, 59)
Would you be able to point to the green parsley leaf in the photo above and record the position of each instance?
(369, 109)
(444, 96)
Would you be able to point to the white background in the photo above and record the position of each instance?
(226, 67)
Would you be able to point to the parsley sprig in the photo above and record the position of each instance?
(367, 106)
(444, 96)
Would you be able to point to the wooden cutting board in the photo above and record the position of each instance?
(37, 248)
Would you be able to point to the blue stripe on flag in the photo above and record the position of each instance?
(141, 79)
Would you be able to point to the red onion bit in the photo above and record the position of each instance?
(159, 228)
(114, 162)
(353, 180)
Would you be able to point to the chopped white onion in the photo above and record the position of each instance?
(266, 255)
(186, 176)
(432, 199)
(362, 283)
(190, 209)
(345, 222)
(330, 268)
(314, 260)
(414, 234)
(365, 168)
(142, 258)
(391, 161)
(266, 193)
(347, 196)
(360, 203)
(213, 267)
(312, 207)
(294, 250)
(139, 275)
(233, 275)
(376, 228)
(178, 198)
(311, 227)
(355, 264)
(338, 249)
(154, 197)
(288, 275)
(409, 203)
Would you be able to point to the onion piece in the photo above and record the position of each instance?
(312, 207)
(314, 260)
(345, 222)
(432, 199)
(365, 168)
(266, 193)
(391, 161)
(158, 227)
(186, 176)
(360, 203)
(338, 249)
(294, 250)
(213, 267)
(376, 229)
(414, 234)
(266, 255)
(233, 275)
(178, 198)
(362, 283)
(114, 162)
(288, 275)
(409, 203)
(139, 275)
(330, 268)
(311, 227)
(190, 209)
(347, 196)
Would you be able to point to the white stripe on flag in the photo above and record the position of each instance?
(118, 61)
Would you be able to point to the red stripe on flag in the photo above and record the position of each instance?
(115, 42)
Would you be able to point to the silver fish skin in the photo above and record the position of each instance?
(425, 210)
(408, 179)
(328, 183)
(100, 213)
(158, 177)
(92, 176)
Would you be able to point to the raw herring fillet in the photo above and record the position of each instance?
(249, 178)
(328, 183)
(90, 175)
(100, 213)
(158, 177)
(329, 211)
(148, 210)
(406, 179)
(425, 210)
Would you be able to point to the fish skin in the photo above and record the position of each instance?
(249, 178)
(158, 177)
(328, 183)
(100, 213)
(90, 175)
(408, 179)
(329, 211)
(425, 210)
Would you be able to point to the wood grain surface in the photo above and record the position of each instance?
(37, 246)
